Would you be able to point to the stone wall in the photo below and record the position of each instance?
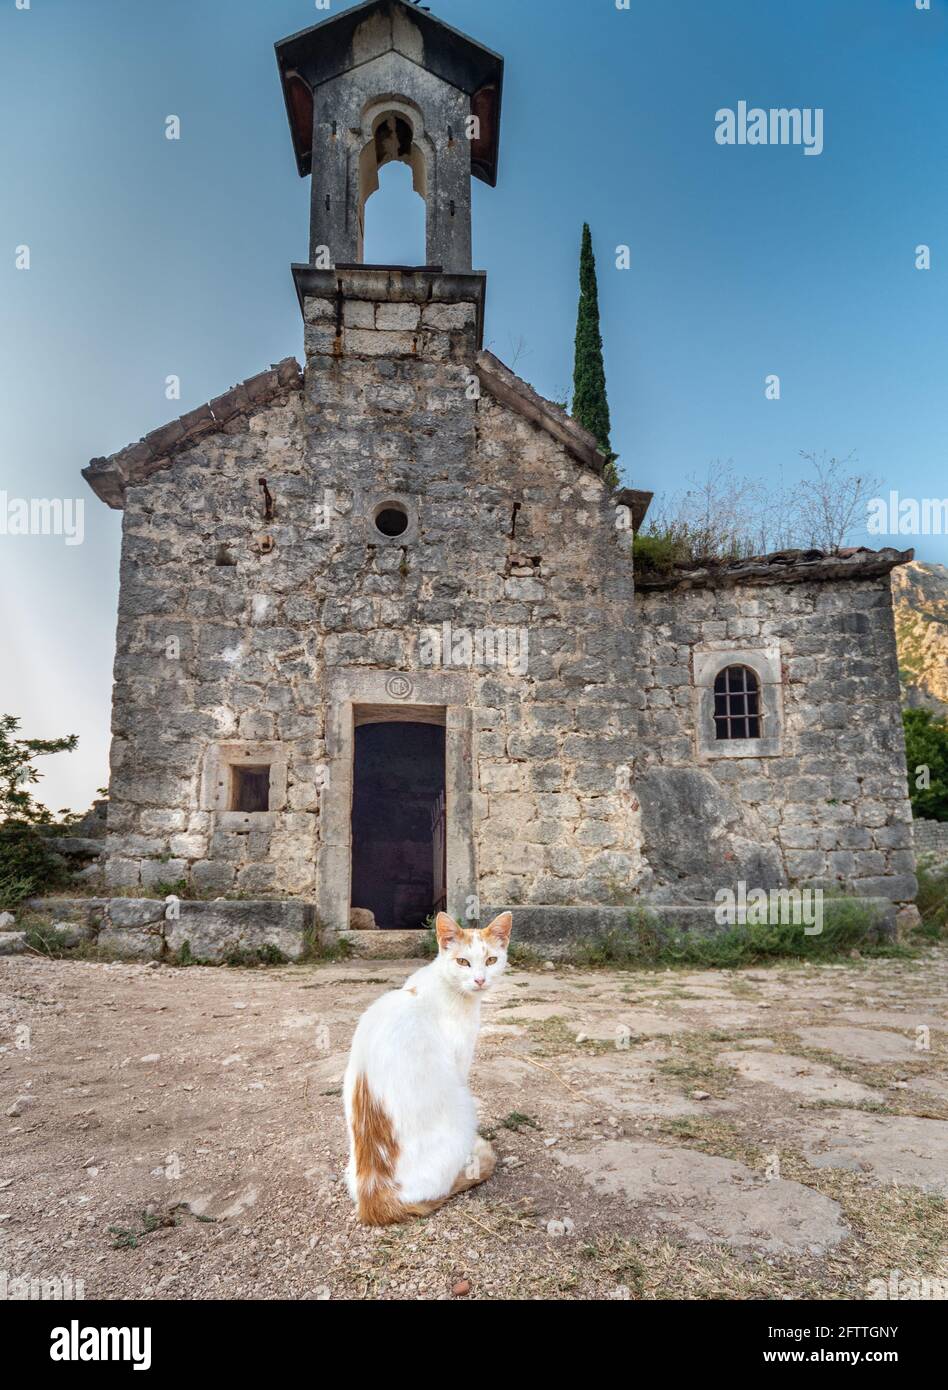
(931, 837)
(829, 805)
(151, 929)
(213, 644)
(510, 535)
(256, 622)
(233, 628)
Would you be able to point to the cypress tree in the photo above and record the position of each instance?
(590, 402)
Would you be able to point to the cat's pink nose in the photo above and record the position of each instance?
(480, 980)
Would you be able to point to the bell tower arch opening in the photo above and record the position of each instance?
(395, 220)
(385, 82)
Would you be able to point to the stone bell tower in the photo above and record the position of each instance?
(387, 81)
(391, 405)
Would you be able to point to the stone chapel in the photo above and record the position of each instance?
(380, 643)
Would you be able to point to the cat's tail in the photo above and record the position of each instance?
(375, 1155)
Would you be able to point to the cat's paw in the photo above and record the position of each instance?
(482, 1162)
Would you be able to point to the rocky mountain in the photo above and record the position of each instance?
(920, 595)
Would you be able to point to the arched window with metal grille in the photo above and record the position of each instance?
(737, 712)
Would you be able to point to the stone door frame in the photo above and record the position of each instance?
(357, 696)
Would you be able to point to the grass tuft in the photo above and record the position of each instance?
(321, 948)
(848, 924)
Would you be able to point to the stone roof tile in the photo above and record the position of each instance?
(780, 567)
(512, 390)
(109, 477)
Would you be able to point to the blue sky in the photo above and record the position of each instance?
(152, 257)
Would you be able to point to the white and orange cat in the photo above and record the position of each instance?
(413, 1140)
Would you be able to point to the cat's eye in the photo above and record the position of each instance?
(491, 960)
(462, 961)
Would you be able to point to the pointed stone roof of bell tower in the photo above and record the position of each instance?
(325, 51)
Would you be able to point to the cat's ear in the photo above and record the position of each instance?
(447, 930)
(499, 930)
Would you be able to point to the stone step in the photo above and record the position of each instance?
(384, 945)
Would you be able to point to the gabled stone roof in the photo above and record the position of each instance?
(322, 52)
(229, 413)
(781, 567)
(512, 390)
(133, 465)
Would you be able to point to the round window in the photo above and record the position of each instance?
(391, 519)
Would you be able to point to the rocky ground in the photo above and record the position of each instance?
(178, 1133)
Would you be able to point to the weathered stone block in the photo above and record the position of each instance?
(359, 343)
(131, 943)
(896, 887)
(158, 871)
(501, 777)
(136, 912)
(449, 317)
(210, 876)
(217, 930)
(398, 316)
(357, 313)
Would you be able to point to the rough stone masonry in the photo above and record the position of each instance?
(405, 531)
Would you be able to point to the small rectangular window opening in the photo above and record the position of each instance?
(250, 789)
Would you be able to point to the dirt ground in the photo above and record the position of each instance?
(178, 1133)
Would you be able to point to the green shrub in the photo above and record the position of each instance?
(926, 747)
(663, 545)
(655, 552)
(848, 924)
(322, 948)
(427, 944)
(524, 956)
(267, 954)
(18, 775)
(13, 890)
(177, 889)
(28, 864)
(932, 903)
(48, 940)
